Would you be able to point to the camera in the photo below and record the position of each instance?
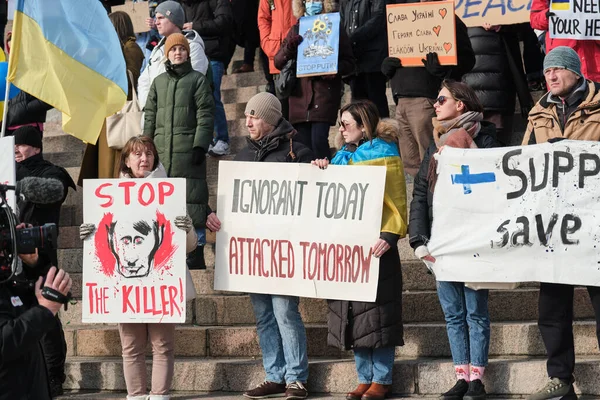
(28, 239)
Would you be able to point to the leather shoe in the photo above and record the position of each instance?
(377, 392)
(358, 392)
(244, 68)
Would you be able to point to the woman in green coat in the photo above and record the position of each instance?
(179, 115)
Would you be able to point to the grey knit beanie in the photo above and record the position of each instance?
(563, 57)
(265, 106)
(173, 11)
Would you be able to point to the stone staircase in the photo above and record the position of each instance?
(217, 349)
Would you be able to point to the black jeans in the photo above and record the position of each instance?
(55, 351)
(371, 86)
(533, 57)
(556, 326)
(315, 135)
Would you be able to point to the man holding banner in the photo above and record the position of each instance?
(573, 102)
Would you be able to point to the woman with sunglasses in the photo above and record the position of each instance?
(458, 123)
(373, 330)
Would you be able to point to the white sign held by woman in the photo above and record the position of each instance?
(294, 229)
(518, 214)
(7, 167)
(134, 263)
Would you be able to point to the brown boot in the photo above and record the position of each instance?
(377, 392)
(358, 392)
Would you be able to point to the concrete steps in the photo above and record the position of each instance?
(421, 376)
(421, 340)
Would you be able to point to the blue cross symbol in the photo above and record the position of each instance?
(467, 179)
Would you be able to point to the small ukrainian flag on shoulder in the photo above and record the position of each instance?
(560, 5)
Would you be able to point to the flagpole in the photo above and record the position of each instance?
(5, 112)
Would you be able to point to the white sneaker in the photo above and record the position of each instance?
(219, 149)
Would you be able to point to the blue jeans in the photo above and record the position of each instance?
(375, 365)
(467, 322)
(218, 70)
(282, 337)
(201, 232)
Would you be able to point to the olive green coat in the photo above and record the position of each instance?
(179, 115)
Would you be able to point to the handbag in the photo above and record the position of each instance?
(286, 80)
(125, 124)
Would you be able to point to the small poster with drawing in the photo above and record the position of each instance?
(319, 51)
(134, 262)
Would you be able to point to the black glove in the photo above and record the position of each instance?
(294, 42)
(198, 155)
(549, 14)
(389, 66)
(432, 65)
(556, 139)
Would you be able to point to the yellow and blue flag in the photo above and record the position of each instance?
(67, 54)
(560, 5)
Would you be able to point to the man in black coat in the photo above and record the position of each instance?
(25, 317)
(415, 90)
(271, 140)
(31, 163)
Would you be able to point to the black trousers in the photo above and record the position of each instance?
(55, 351)
(556, 326)
(315, 135)
(371, 86)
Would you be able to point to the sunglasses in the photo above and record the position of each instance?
(441, 100)
(345, 125)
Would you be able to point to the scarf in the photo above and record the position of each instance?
(458, 132)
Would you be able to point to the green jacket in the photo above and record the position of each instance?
(179, 116)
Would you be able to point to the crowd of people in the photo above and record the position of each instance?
(175, 70)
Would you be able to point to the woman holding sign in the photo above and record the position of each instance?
(373, 330)
(139, 159)
(315, 100)
(458, 123)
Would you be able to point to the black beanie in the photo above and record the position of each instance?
(29, 135)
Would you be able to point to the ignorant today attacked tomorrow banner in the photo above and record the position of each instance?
(294, 229)
(518, 214)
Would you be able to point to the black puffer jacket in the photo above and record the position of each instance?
(278, 146)
(491, 77)
(364, 21)
(213, 20)
(26, 109)
(357, 324)
(421, 207)
(22, 365)
(418, 82)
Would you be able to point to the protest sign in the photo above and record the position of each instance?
(294, 229)
(518, 214)
(7, 167)
(134, 263)
(493, 12)
(415, 29)
(575, 19)
(138, 12)
(318, 53)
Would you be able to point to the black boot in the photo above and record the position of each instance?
(457, 392)
(195, 259)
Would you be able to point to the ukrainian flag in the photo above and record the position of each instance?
(560, 5)
(67, 54)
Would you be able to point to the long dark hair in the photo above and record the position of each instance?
(123, 25)
(462, 92)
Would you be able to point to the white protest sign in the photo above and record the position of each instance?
(518, 214)
(575, 19)
(134, 263)
(7, 167)
(294, 229)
